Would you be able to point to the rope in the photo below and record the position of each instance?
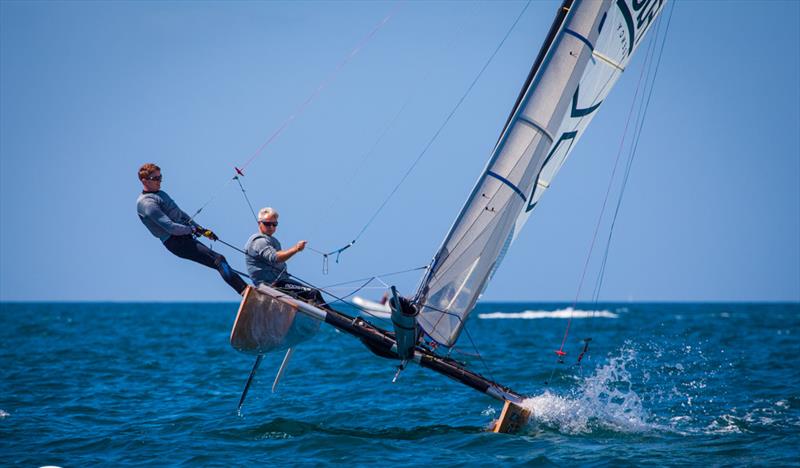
(350, 294)
(480, 357)
(362, 309)
(324, 84)
(244, 192)
(464, 327)
(385, 131)
(640, 119)
(307, 283)
(637, 135)
(324, 289)
(436, 134)
(233, 247)
(560, 350)
(377, 277)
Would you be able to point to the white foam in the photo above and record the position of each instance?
(4, 414)
(604, 401)
(726, 424)
(567, 313)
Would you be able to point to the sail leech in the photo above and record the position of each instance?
(577, 70)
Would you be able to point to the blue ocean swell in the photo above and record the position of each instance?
(158, 384)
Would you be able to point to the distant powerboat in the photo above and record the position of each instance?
(372, 308)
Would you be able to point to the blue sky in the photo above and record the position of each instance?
(91, 90)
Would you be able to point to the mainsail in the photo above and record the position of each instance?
(589, 46)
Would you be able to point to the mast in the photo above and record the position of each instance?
(588, 48)
(548, 41)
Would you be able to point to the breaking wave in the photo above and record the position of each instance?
(569, 312)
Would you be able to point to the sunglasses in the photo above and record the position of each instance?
(268, 224)
(156, 178)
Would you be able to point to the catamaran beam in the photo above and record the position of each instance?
(383, 344)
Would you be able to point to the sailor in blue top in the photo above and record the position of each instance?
(266, 259)
(162, 217)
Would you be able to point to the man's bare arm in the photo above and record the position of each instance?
(283, 255)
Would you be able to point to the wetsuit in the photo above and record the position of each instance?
(162, 217)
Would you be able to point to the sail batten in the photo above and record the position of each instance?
(587, 49)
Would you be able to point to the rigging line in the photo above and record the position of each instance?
(384, 275)
(455, 247)
(637, 136)
(623, 184)
(441, 311)
(324, 289)
(643, 106)
(636, 139)
(464, 327)
(351, 304)
(363, 160)
(341, 299)
(497, 191)
(443, 125)
(480, 357)
(476, 238)
(362, 309)
(233, 247)
(647, 69)
(244, 192)
(329, 79)
(324, 83)
(560, 351)
(368, 154)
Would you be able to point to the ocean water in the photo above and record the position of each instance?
(158, 384)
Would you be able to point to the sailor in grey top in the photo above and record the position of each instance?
(162, 217)
(266, 259)
(262, 261)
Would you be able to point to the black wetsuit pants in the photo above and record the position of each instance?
(189, 248)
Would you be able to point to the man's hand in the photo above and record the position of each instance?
(207, 233)
(300, 245)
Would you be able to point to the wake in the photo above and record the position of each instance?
(567, 313)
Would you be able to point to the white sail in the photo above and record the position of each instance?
(589, 47)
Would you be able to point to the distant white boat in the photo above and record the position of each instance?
(372, 308)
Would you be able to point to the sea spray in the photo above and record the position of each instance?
(712, 391)
(604, 400)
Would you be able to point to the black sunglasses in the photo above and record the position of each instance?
(268, 224)
(156, 178)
